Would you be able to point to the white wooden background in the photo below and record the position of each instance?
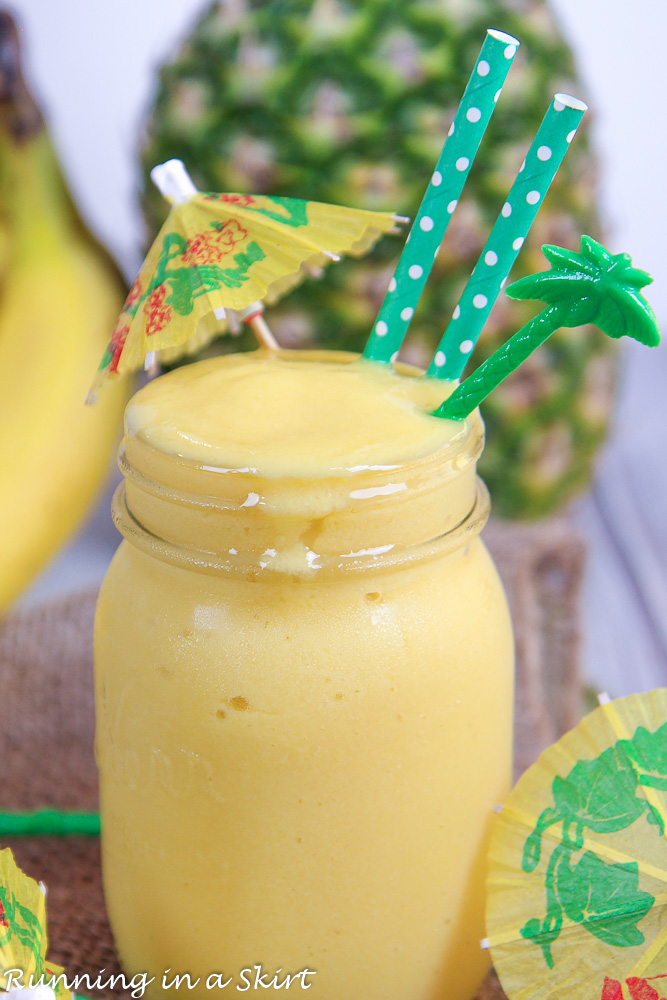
(625, 523)
(92, 65)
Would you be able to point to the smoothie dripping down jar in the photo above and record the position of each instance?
(303, 682)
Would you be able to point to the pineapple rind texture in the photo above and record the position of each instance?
(349, 102)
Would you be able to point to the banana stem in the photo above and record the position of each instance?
(495, 369)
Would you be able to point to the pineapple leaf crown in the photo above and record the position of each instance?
(593, 286)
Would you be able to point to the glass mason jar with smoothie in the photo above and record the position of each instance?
(303, 680)
(304, 659)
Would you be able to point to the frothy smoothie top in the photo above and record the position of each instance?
(305, 414)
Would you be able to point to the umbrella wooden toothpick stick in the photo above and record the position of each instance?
(254, 317)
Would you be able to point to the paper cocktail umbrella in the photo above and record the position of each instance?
(23, 938)
(217, 252)
(577, 882)
(588, 287)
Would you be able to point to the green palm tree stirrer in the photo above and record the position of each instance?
(580, 288)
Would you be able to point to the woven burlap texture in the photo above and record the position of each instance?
(46, 722)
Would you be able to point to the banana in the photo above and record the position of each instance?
(60, 294)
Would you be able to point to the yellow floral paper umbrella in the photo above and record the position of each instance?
(225, 251)
(23, 938)
(577, 881)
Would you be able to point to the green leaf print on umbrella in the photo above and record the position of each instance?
(604, 898)
(592, 286)
(602, 795)
(577, 883)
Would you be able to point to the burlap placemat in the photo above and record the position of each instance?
(46, 722)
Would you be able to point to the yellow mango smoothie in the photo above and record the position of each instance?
(304, 684)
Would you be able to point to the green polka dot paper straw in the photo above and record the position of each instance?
(442, 195)
(538, 170)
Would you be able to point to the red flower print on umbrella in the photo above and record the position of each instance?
(233, 199)
(637, 989)
(115, 348)
(134, 294)
(212, 245)
(157, 312)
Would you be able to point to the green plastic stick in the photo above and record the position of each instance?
(49, 822)
(545, 155)
(442, 195)
(580, 288)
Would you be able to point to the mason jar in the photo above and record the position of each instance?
(304, 688)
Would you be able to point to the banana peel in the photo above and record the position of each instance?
(60, 295)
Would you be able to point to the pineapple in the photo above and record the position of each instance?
(348, 101)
